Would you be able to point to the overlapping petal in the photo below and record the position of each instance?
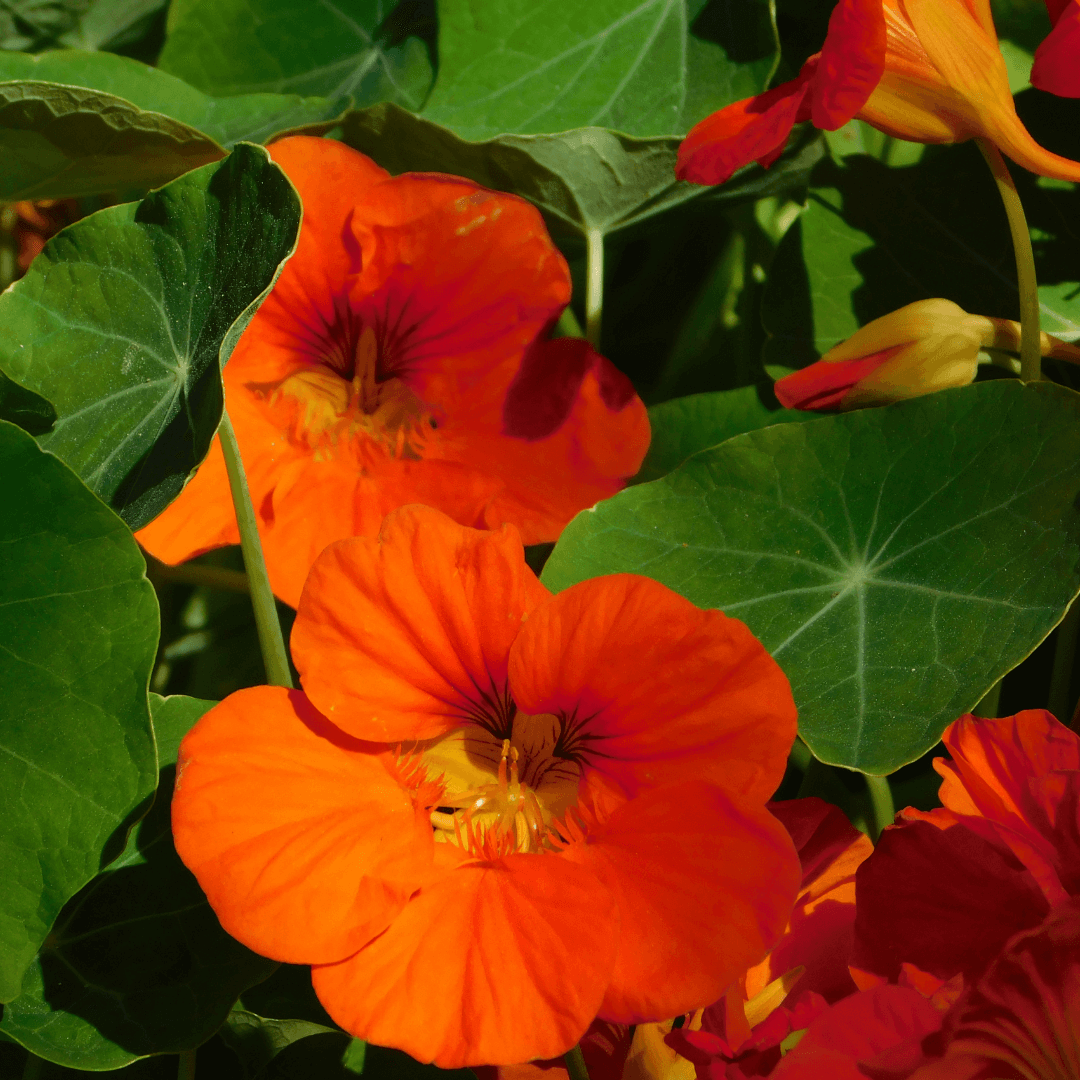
(268, 797)
(592, 656)
(408, 635)
(1057, 59)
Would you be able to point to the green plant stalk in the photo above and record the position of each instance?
(1068, 632)
(575, 1064)
(1030, 344)
(32, 1068)
(271, 643)
(987, 706)
(776, 40)
(882, 808)
(568, 326)
(186, 1069)
(594, 285)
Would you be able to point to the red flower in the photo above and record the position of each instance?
(925, 70)
(403, 357)
(494, 814)
(1057, 59)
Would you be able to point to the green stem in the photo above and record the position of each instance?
(882, 809)
(32, 1068)
(776, 39)
(815, 779)
(575, 1064)
(186, 1069)
(568, 326)
(1030, 343)
(215, 577)
(988, 704)
(594, 285)
(271, 643)
(1068, 633)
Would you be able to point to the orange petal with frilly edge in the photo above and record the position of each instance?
(755, 129)
(306, 842)
(408, 636)
(851, 63)
(653, 689)
(498, 962)
(703, 886)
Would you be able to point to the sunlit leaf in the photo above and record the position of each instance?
(137, 963)
(531, 66)
(895, 561)
(279, 46)
(78, 631)
(125, 318)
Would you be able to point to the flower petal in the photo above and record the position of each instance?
(703, 886)
(825, 384)
(945, 900)
(754, 129)
(851, 64)
(408, 636)
(1057, 59)
(496, 963)
(652, 689)
(305, 841)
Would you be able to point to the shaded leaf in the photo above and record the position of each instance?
(28, 410)
(36, 24)
(125, 318)
(687, 425)
(137, 963)
(78, 632)
(257, 1040)
(531, 66)
(110, 24)
(64, 141)
(334, 50)
(584, 179)
(896, 562)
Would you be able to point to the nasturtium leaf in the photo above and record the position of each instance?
(257, 1040)
(35, 24)
(111, 24)
(873, 239)
(23, 407)
(125, 318)
(686, 425)
(137, 962)
(280, 46)
(588, 178)
(78, 633)
(226, 120)
(531, 66)
(896, 562)
(66, 141)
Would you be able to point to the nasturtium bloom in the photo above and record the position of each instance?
(403, 356)
(925, 70)
(925, 346)
(495, 814)
(1057, 59)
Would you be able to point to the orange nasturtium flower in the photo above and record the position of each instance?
(403, 357)
(929, 71)
(1057, 59)
(925, 346)
(495, 814)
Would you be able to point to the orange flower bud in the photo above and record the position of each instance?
(928, 345)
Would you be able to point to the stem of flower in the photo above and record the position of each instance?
(594, 285)
(776, 39)
(32, 1068)
(882, 810)
(575, 1064)
(214, 577)
(568, 326)
(271, 643)
(186, 1069)
(1030, 344)
(1068, 632)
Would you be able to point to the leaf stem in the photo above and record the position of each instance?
(882, 809)
(575, 1064)
(594, 285)
(1030, 343)
(776, 38)
(1068, 632)
(186, 1069)
(32, 1068)
(214, 577)
(271, 643)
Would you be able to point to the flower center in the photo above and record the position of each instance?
(328, 407)
(502, 795)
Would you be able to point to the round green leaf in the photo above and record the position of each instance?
(137, 962)
(124, 320)
(896, 562)
(78, 633)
